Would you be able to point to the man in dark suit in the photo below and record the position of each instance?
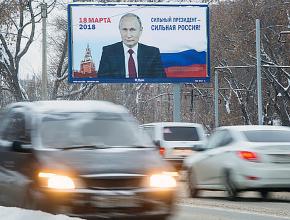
(129, 58)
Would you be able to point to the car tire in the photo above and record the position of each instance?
(230, 186)
(29, 202)
(264, 194)
(191, 184)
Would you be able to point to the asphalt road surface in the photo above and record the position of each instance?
(215, 206)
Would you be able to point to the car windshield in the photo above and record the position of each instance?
(87, 129)
(267, 135)
(180, 134)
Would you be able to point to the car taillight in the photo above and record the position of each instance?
(248, 155)
(161, 151)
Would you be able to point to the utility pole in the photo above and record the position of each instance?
(44, 52)
(259, 78)
(216, 98)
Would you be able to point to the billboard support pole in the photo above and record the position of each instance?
(176, 102)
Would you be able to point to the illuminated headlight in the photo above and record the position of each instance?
(163, 180)
(55, 181)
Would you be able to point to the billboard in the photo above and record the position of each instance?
(138, 43)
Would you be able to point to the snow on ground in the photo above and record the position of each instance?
(11, 213)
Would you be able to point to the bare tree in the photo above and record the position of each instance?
(17, 32)
(234, 44)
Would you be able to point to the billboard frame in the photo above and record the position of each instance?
(71, 79)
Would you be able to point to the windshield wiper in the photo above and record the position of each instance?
(85, 146)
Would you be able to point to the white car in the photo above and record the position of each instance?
(176, 140)
(242, 158)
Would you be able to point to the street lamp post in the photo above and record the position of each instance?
(216, 98)
(44, 52)
(259, 78)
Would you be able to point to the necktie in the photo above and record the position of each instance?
(131, 65)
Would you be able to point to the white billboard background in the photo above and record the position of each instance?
(168, 41)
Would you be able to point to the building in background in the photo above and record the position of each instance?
(87, 67)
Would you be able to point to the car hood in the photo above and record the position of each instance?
(98, 161)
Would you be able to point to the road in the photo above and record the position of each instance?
(214, 206)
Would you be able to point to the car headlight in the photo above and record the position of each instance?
(163, 180)
(55, 181)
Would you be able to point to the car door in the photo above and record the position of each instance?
(13, 163)
(210, 167)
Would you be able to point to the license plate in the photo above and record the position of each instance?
(116, 201)
(182, 152)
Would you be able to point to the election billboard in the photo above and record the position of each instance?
(138, 43)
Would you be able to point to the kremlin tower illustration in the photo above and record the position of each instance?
(87, 67)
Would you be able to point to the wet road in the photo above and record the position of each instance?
(215, 206)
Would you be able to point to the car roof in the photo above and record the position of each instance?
(254, 127)
(178, 124)
(71, 106)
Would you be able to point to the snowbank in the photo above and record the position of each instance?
(11, 213)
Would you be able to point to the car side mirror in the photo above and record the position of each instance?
(20, 146)
(199, 148)
(157, 143)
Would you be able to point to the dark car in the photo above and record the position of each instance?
(81, 158)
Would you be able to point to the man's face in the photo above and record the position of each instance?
(130, 30)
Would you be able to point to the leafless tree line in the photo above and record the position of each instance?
(232, 43)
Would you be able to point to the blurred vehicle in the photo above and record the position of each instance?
(81, 158)
(175, 140)
(242, 158)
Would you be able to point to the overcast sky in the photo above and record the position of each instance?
(31, 63)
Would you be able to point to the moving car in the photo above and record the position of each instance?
(81, 158)
(175, 140)
(242, 158)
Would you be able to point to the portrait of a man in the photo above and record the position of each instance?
(129, 58)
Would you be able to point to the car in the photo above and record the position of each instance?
(242, 158)
(86, 159)
(175, 140)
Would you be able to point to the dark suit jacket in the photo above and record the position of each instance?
(112, 64)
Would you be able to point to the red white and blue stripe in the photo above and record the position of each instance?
(187, 63)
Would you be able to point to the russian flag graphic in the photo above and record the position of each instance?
(185, 64)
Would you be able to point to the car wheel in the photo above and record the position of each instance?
(264, 194)
(191, 183)
(230, 186)
(29, 202)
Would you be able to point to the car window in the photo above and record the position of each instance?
(68, 129)
(219, 138)
(16, 128)
(177, 133)
(226, 138)
(3, 121)
(267, 135)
